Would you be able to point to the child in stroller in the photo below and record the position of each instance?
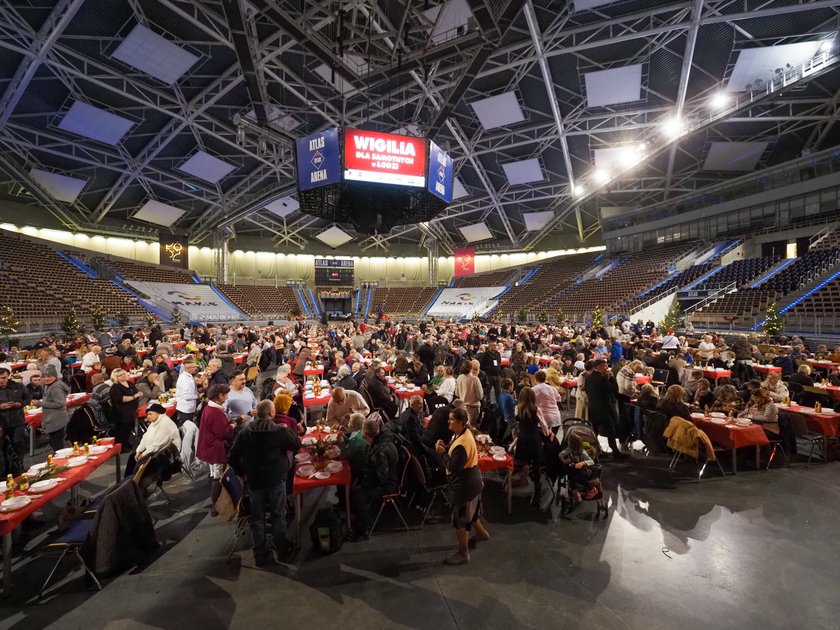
(579, 457)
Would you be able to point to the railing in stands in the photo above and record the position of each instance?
(816, 238)
(712, 298)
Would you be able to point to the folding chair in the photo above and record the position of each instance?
(391, 499)
(702, 467)
(242, 522)
(70, 541)
(419, 476)
(800, 429)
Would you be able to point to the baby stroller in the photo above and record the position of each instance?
(584, 483)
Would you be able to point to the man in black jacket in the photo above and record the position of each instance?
(260, 455)
(491, 365)
(381, 395)
(601, 389)
(426, 352)
(410, 424)
(379, 477)
(13, 398)
(417, 372)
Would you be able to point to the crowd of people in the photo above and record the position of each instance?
(515, 382)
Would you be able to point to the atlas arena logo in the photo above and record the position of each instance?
(465, 297)
(186, 297)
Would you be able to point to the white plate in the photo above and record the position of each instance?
(322, 475)
(106, 440)
(717, 414)
(98, 450)
(718, 420)
(15, 503)
(697, 415)
(305, 470)
(500, 457)
(743, 422)
(482, 438)
(333, 453)
(309, 441)
(497, 450)
(64, 452)
(36, 468)
(333, 467)
(2, 486)
(309, 396)
(829, 411)
(43, 486)
(302, 458)
(74, 462)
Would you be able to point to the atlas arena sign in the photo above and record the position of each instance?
(384, 158)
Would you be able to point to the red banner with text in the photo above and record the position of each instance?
(464, 262)
(384, 158)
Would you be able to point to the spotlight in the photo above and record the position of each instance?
(673, 127)
(578, 190)
(719, 101)
(827, 45)
(601, 176)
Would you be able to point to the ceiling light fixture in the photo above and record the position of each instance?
(578, 190)
(601, 176)
(673, 127)
(827, 45)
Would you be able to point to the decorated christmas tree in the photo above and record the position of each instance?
(177, 316)
(774, 324)
(98, 317)
(151, 320)
(671, 320)
(597, 317)
(561, 316)
(71, 324)
(9, 324)
(542, 318)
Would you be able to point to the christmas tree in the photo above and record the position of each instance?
(671, 320)
(542, 318)
(774, 324)
(151, 320)
(8, 322)
(597, 317)
(70, 325)
(561, 316)
(176, 316)
(98, 319)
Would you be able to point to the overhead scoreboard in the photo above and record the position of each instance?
(334, 271)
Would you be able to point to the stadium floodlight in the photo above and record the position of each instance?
(719, 100)
(673, 127)
(827, 45)
(578, 190)
(602, 176)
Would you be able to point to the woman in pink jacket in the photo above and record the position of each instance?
(214, 435)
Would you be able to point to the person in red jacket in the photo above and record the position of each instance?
(214, 433)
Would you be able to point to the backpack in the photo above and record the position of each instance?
(82, 425)
(327, 530)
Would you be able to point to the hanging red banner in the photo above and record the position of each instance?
(464, 262)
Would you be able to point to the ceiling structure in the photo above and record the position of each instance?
(128, 117)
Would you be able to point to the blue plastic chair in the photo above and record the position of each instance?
(70, 541)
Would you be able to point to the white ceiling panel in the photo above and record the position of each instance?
(476, 232)
(498, 111)
(354, 62)
(535, 221)
(734, 156)
(455, 15)
(613, 86)
(759, 65)
(158, 213)
(585, 5)
(524, 171)
(334, 237)
(95, 123)
(283, 207)
(277, 118)
(155, 55)
(60, 187)
(207, 167)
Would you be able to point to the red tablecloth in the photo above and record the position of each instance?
(179, 344)
(767, 369)
(310, 371)
(72, 476)
(177, 360)
(825, 423)
(323, 399)
(569, 384)
(545, 360)
(731, 436)
(303, 484)
(833, 391)
(823, 365)
(715, 374)
(19, 365)
(240, 358)
(405, 395)
(486, 463)
(641, 379)
(34, 418)
(505, 362)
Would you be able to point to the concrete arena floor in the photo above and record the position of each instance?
(759, 550)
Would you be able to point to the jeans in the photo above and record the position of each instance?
(273, 500)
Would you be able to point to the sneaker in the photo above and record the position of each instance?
(456, 559)
(591, 494)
